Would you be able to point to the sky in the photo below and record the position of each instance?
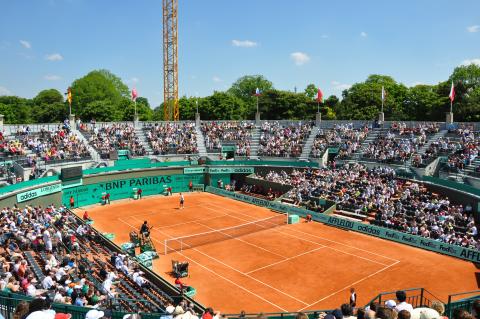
(333, 44)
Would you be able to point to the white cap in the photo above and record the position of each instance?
(390, 304)
(94, 314)
(41, 315)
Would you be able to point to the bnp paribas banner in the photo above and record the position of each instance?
(124, 188)
(385, 233)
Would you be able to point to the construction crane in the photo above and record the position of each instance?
(170, 61)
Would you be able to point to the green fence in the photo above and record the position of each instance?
(381, 232)
(264, 163)
(124, 188)
(452, 184)
(35, 182)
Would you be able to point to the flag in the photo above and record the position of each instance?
(69, 95)
(134, 94)
(452, 93)
(257, 92)
(319, 96)
(384, 94)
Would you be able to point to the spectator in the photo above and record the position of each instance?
(402, 303)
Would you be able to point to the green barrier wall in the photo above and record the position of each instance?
(264, 163)
(123, 188)
(393, 235)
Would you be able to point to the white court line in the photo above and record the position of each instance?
(281, 261)
(166, 212)
(240, 272)
(243, 241)
(314, 242)
(185, 223)
(349, 286)
(329, 240)
(213, 272)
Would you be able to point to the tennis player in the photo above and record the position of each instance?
(182, 201)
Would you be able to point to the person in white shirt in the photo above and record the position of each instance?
(47, 282)
(402, 304)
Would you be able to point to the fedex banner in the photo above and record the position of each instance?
(381, 232)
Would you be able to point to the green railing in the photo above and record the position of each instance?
(35, 182)
(465, 302)
(452, 184)
(9, 301)
(264, 163)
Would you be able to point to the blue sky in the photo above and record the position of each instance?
(50, 43)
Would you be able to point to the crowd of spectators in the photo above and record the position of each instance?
(283, 141)
(395, 203)
(61, 144)
(344, 136)
(172, 138)
(418, 129)
(48, 253)
(392, 147)
(240, 133)
(466, 151)
(116, 136)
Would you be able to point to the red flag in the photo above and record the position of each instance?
(319, 96)
(452, 93)
(134, 94)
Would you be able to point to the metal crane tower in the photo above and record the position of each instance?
(170, 60)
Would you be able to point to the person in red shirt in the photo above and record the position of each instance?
(180, 285)
(190, 186)
(86, 217)
(107, 198)
(72, 202)
(308, 218)
(139, 193)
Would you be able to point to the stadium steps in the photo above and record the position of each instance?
(93, 152)
(255, 142)
(434, 138)
(470, 169)
(140, 133)
(372, 136)
(307, 147)
(202, 150)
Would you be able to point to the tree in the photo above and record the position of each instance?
(244, 88)
(16, 110)
(311, 91)
(117, 82)
(144, 112)
(48, 107)
(48, 97)
(96, 89)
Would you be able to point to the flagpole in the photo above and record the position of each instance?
(451, 106)
(257, 103)
(318, 106)
(382, 105)
(135, 101)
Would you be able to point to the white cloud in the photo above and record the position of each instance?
(52, 77)
(54, 57)
(25, 44)
(216, 79)
(133, 80)
(471, 61)
(473, 28)
(4, 91)
(244, 43)
(340, 86)
(300, 58)
(363, 34)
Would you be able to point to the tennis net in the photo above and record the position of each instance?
(192, 241)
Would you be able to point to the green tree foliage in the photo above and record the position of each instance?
(16, 110)
(103, 96)
(49, 106)
(311, 91)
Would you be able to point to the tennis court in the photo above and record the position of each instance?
(259, 263)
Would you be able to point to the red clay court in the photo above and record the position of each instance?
(305, 266)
